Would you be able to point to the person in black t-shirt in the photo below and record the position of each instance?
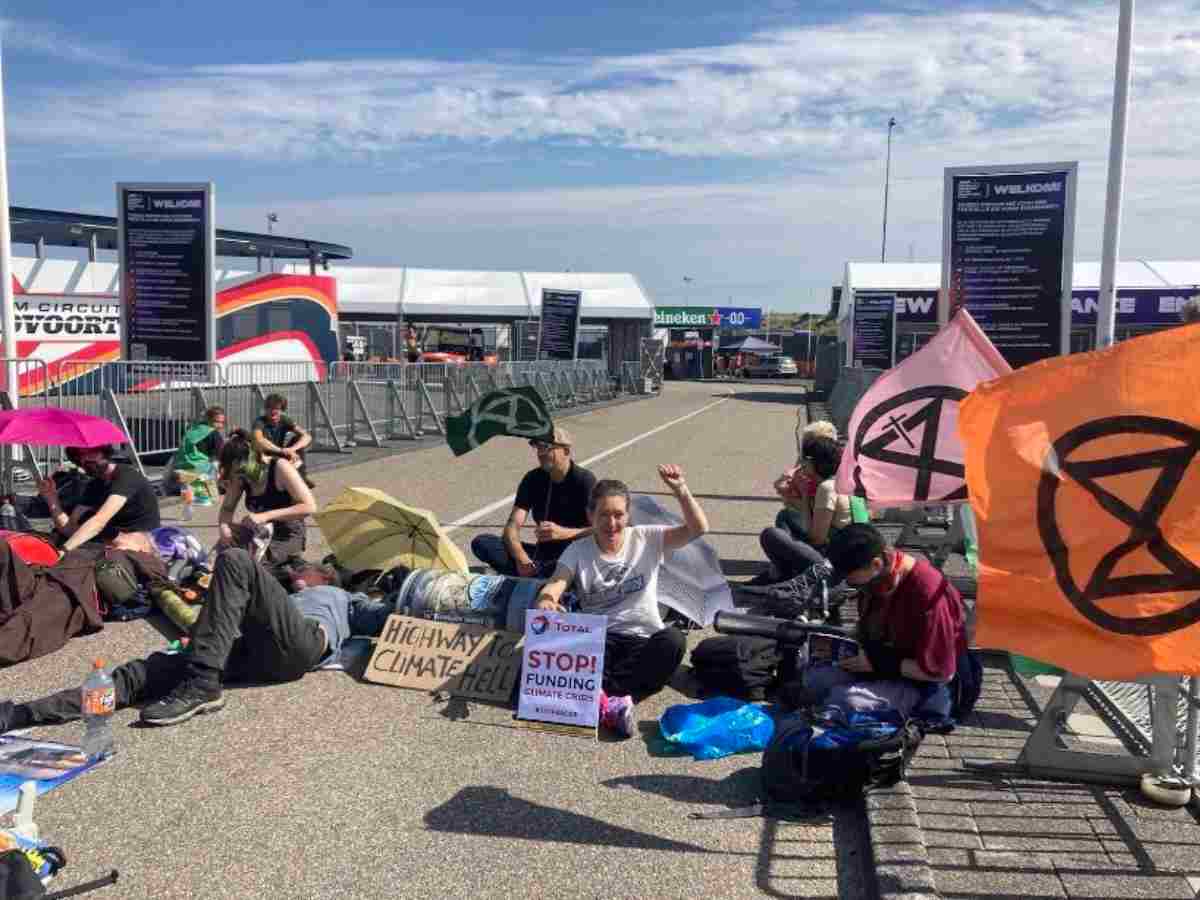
(556, 493)
(118, 500)
(277, 434)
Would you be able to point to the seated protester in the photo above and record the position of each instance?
(195, 462)
(557, 493)
(118, 500)
(275, 495)
(797, 490)
(911, 627)
(792, 554)
(276, 434)
(250, 630)
(614, 573)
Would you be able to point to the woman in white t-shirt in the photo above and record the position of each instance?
(614, 573)
(791, 555)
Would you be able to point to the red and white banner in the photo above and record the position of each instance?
(563, 668)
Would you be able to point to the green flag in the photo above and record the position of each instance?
(517, 412)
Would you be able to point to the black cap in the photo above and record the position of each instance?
(852, 548)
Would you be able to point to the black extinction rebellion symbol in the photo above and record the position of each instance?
(1144, 523)
(894, 444)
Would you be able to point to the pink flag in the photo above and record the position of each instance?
(902, 446)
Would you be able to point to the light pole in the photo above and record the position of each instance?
(272, 218)
(887, 177)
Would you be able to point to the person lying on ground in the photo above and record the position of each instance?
(614, 573)
(556, 494)
(275, 495)
(250, 631)
(791, 553)
(44, 606)
(118, 500)
(277, 434)
(911, 628)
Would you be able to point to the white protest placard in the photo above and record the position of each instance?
(562, 669)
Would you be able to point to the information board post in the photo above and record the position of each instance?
(1008, 236)
(874, 330)
(167, 244)
(558, 329)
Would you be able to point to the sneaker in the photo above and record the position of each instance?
(795, 596)
(616, 714)
(189, 699)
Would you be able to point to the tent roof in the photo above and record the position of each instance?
(751, 345)
(430, 293)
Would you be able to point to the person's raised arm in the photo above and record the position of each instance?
(695, 523)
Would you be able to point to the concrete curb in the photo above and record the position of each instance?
(899, 857)
(898, 854)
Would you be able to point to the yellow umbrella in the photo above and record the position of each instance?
(368, 529)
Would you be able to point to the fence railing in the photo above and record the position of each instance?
(341, 404)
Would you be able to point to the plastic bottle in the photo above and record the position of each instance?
(189, 498)
(99, 701)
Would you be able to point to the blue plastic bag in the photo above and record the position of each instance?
(716, 728)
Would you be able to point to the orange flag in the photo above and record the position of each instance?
(1079, 470)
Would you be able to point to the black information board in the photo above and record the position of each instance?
(1009, 244)
(558, 336)
(166, 272)
(874, 330)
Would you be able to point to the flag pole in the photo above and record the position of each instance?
(7, 313)
(1107, 310)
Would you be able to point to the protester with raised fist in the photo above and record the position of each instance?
(614, 573)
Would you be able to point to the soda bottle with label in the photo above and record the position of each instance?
(98, 700)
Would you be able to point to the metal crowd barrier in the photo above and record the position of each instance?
(341, 404)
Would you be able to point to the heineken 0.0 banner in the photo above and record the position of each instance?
(515, 412)
(707, 317)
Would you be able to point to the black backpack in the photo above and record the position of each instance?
(743, 667)
(830, 757)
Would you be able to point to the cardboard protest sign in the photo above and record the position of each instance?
(563, 669)
(465, 660)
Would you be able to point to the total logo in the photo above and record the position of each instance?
(134, 202)
(543, 623)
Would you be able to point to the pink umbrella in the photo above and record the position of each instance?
(48, 426)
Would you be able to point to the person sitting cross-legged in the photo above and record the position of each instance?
(556, 495)
(250, 630)
(911, 628)
(614, 573)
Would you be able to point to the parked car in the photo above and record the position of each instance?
(770, 365)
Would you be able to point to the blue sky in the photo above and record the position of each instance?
(741, 148)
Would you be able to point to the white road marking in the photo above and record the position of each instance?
(506, 501)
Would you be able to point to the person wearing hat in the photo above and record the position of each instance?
(911, 631)
(556, 494)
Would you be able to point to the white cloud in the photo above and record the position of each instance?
(968, 87)
(786, 93)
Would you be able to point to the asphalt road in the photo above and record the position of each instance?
(331, 788)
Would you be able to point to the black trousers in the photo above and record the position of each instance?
(490, 550)
(641, 666)
(789, 555)
(248, 631)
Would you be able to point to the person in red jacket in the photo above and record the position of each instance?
(911, 631)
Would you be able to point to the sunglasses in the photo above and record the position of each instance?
(542, 445)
